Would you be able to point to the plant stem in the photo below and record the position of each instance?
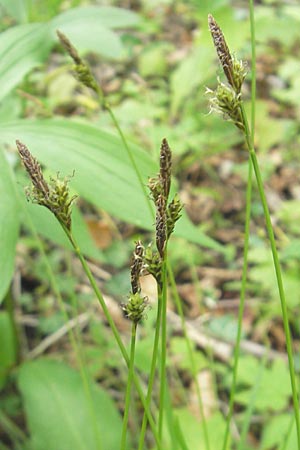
(163, 355)
(74, 342)
(191, 357)
(248, 135)
(129, 384)
(113, 328)
(130, 155)
(152, 368)
(241, 305)
(281, 291)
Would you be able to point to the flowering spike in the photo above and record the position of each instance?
(165, 167)
(82, 70)
(222, 49)
(136, 267)
(33, 169)
(54, 196)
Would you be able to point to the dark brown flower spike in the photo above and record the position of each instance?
(33, 169)
(222, 49)
(161, 225)
(234, 70)
(53, 195)
(136, 267)
(165, 167)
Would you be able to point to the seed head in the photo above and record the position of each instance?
(82, 71)
(54, 196)
(136, 267)
(165, 167)
(135, 308)
(234, 70)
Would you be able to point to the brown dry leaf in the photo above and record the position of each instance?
(101, 232)
(205, 382)
(190, 295)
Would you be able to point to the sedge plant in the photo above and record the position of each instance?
(85, 76)
(227, 100)
(54, 195)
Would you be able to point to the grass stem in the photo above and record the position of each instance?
(129, 385)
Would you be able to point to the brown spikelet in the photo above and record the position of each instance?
(71, 50)
(161, 225)
(136, 267)
(33, 169)
(222, 49)
(165, 167)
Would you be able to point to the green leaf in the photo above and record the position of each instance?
(103, 173)
(22, 48)
(192, 430)
(8, 346)
(86, 34)
(274, 389)
(192, 72)
(18, 9)
(105, 16)
(57, 411)
(9, 224)
(275, 433)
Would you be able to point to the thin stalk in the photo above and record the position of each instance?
(131, 157)
(163, 355)
(113, 328)
(191, 357)
(241, 306)
(253, 67)
(74, 343)
(249, 136)
(152, 368)
(281, 291)
(129, 385)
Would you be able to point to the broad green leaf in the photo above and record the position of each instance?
(22, 48)
(87, 35)
(47, 226)
(16, 8)
(105, 16)
(9, 224)
(275, 433)
(8, 346)
(192, 430)
(103, 172)
(192, 72)
(58, 413)
(274, 390)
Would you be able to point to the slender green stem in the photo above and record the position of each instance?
(129, 385)
(113, 328)
(253, 67)
(249, 136)
(191, 356)
(152, 368)
(130, 155)
(74, 342)
(281, 291)
(241, 306)
(163, 355)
